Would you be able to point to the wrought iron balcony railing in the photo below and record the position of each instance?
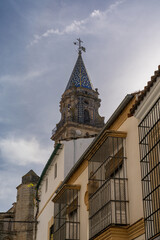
(75, 120)
(108, 202)
(68, 231)
(108, 206)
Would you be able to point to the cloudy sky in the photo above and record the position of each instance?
(37, 55)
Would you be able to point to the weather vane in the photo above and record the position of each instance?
(80, 47)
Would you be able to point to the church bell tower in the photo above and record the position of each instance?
(79, 105)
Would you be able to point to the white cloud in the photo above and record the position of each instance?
(25, 77)
(22, 152)
(78, 26)
(51, 31)
(95, 13)
(75, 26)
(113, 6)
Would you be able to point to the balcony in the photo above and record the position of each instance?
(66, 214)
(108, 206)
(98, 124)
(68, 231)
(108, 202)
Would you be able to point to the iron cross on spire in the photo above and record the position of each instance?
(80, 47)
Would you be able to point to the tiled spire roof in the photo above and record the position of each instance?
(79, 76)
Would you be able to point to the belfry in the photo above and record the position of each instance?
(79, 105)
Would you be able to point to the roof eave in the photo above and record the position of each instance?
(145, 91)
(48, 163)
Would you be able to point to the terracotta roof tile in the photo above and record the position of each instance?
(145, 91)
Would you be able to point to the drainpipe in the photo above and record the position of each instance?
(37, 211)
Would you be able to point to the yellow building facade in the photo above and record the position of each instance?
(102, 195)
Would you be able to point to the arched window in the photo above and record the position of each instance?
(86, 116)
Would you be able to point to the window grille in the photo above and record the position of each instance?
(149, 137)
(86, 116)
(80, 110)
(108, 203)
(66, 214)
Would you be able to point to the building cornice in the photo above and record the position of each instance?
(122, 232)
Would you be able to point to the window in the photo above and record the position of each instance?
(107, 186)
(46, 187)
(86, 116)
(149, 142)
(80, 110)
(86, 102)
(66, 213)
(1, 226)
(51, 232)
(55, 170)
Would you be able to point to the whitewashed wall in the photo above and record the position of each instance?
(68, 156)
(73, 150)
(46, 205)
